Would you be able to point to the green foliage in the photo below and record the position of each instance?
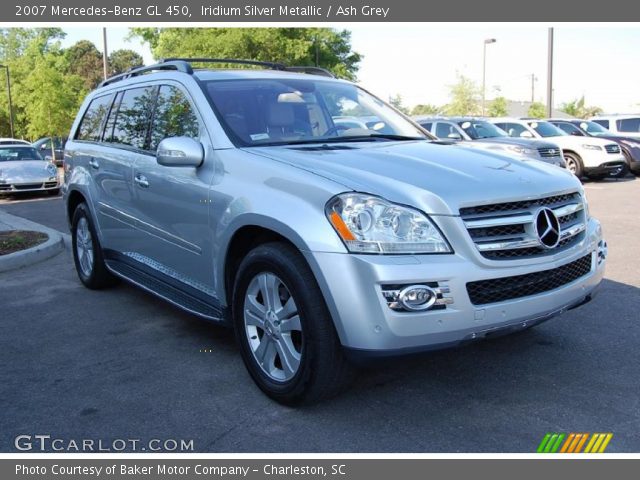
(577, 108)
(537, 110)
(465, 97)
(396, 101)
(498, 107)
(122, 60)
(426, 109)
(292, 46)
(85, 60)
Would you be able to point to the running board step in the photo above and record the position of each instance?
(171, 294)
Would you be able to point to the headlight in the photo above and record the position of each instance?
(368, 224)
(591, 147)
(521, 150)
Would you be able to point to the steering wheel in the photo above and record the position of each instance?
(335, 129)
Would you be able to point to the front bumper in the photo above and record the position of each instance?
(599, 161)
(352, 286)
(8, 187)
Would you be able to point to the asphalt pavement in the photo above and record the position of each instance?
(121, 364)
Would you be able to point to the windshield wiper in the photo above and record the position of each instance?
(345, 139)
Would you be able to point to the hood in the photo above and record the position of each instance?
(521, 142)
(24, 171)
(437, 178)
(571, 141)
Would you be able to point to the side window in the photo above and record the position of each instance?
(569, 128)
(443, 130)
(513, 129)
(132, 118)
(173, 117)
(628, 125)
(91, 123)
(426, 126)
(604, 123)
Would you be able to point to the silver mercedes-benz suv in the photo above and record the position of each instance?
(234, 195)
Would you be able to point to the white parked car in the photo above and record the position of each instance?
(23, 169)
(13, 141)
(626, 125)
(594, 157)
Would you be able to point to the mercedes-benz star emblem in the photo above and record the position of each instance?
(547, 228)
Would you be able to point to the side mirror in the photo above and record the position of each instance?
(526, 134)
(454, 136)
(180, 152)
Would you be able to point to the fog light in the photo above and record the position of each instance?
(603, 251)
(417, 297)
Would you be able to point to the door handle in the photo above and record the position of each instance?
(94, 163)
(141, 180)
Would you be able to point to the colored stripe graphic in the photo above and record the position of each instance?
(574, 442)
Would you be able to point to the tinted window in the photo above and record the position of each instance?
(545, 129)
(426, 126)
(173, 117)
(132, 118)
(628, 125)
(481, 129)
(443, 130)
(513, 129)
(604, 123)
(91, 123)
(569, 128)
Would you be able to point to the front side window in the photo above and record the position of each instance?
(173, 117)
(132, 118)
(91, 124)
(444, 130)
(569, 128)
(284, 111)
(512, 129)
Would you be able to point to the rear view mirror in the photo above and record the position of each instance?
(180, 152)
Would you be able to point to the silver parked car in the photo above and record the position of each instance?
(233, 195)
(23, 169)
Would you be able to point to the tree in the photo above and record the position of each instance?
(326, 47)
(396, 101)
(465, 97)
(537, 110)
(498, 107)
(122, 60)
(426, 109)
(578, 109)
(85, 60)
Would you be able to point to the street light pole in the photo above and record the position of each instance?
(550, 74)
(105, 57)
(487, 41)
(9, 95)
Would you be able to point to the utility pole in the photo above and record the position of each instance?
(550, 74)
(533, 79)
(487, 41)
(10, 104)
(105, 56)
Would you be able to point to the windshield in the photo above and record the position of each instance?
(594, 128)
(546, 129)
(8, 154)
(287, 111)
(478, 129)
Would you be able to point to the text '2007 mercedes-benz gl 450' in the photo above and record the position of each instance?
(321, 223)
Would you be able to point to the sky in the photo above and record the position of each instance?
(420, 61)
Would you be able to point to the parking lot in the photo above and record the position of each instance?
(120, 364)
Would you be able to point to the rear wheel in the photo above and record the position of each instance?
(574, 164)
(87, 252)
(286, 335)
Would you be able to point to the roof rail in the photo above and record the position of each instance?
(179, 66)
(311, 70)
(184, 65)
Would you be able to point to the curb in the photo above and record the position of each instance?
(53, 246)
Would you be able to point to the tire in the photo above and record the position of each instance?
(53, 193)
(312, 366)
(87, 252)
(574, 164)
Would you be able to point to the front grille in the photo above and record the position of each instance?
(495, 290)
(506, 231)
(612, 148)
(549, 152)
(28, 186)
(50, 184)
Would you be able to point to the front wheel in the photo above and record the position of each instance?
(574, 164)
(286, 335)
